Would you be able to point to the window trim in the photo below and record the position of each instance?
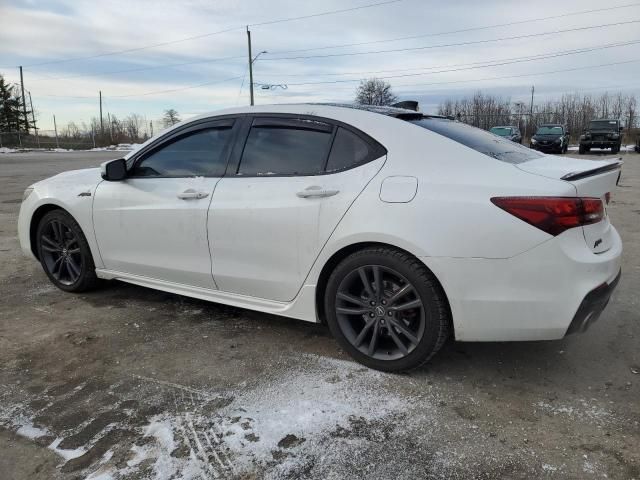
(376, 149)
(198, 125)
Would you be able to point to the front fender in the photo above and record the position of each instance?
(75, 197)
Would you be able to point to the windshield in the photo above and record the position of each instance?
(549, 131)
(603, 125)
(502, 131)
(479, 140)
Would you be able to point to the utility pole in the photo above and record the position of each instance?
(151, 127)
(55, 129)
(110, 126)
(24, 103)
(33, 116)
(101, 124)
(250, 65)
(533, 89)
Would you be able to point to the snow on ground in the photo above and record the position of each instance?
(121, 147)
(623, 148)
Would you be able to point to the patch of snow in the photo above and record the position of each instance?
(66, 454)
(7, 150)
(121, 147)
(31, 432)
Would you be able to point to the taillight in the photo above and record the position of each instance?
(553, 215)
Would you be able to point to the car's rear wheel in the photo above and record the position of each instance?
(386, 309)
(64, 253)
(615, 149)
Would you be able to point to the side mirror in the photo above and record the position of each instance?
(114, 170)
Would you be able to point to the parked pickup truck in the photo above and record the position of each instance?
(604, 133)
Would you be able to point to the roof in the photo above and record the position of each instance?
(551, 125)
(383, 110)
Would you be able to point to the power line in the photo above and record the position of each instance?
(368, 72)
(485, 64)
(523, 75)
(213, 60)
(474, 42)
(271, 22)
(144, 94)
(209, 34)
(471, 29)
(140, 69)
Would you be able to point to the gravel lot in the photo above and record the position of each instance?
(127, 382)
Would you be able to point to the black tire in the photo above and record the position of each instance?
(64, 253)
(582, 149)
(422, 330)
(615, 149)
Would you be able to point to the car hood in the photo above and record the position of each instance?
(74, 178)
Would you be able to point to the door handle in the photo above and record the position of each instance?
(315, 191)
(190, 194)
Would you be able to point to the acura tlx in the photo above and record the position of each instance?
(395, 228)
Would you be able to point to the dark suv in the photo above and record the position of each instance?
(551, 137)
(510, 132)
(605, 133)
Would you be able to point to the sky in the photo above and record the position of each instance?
(148, 56)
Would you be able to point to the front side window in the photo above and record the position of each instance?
(199, 153)
(288, 147)
(479, 140)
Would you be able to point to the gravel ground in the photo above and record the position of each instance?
(127, 382)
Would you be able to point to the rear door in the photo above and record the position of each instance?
(285, 191)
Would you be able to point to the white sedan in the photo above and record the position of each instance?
(393, 227)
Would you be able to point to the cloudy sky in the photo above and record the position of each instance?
(147, 56)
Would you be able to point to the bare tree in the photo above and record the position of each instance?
(133, 125)
(375, 92)
(170, 117)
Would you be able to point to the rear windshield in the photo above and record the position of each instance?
(479, 140)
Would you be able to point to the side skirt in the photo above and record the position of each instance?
(302, 307)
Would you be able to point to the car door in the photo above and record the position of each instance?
(284, 193)
(154, 223)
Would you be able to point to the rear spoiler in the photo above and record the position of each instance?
(614, 165)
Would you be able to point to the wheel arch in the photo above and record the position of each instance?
(347, 250)
(38, 214)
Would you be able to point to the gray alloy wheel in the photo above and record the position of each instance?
(64, 252)
(386, 309)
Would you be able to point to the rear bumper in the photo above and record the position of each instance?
(592, 306)
(532, 296)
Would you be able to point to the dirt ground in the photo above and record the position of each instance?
(127, 382)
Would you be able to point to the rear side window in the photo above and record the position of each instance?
(286, 147)
(479, 140)
(348, 150)
(200, 153)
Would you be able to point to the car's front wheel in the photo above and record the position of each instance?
(64, 252)
(386, 309)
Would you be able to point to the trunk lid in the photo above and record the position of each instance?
(590, 178)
